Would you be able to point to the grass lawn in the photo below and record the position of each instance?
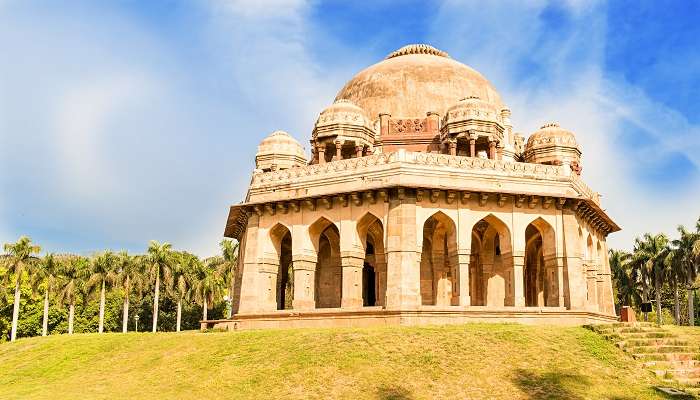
(476, 361)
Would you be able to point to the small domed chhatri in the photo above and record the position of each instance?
(554, 146)
(341, 129)
(279, 151)
(420, 204)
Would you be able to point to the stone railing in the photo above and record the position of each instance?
(497, 168)
(419, 158)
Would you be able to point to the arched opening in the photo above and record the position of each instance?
(540, 274)
(328, 285)
(493, 259)
(590, 280)
(438, 267)
(284, 290)
(369, 294)
(371, 233)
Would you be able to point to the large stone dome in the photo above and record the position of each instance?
(414, 80)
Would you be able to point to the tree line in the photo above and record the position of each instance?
(109, 281)
(662, 271)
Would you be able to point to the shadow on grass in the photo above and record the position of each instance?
(393, 392)
(549, 385)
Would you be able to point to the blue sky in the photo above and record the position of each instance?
(126, 121)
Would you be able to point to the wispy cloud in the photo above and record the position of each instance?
(548, 61)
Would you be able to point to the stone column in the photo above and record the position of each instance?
(384, 124)
(574, 272)
(338, 150)
(452, 145)
(592, 286)
(321, 150)
(472, 146)
(518, 282)
(268, 284)
(304, 268)
(403, 256)
(463, 258)
(352, 279)
(358, 151)
(249, 294)
(492, 149)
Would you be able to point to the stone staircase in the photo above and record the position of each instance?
(671, 358)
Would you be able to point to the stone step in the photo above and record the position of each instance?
(674, 364)
(643, 342)
(666, 356)
(677, 373)
(692, 382)
(661, 349)
(645, 335)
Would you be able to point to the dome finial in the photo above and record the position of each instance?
(417, 49)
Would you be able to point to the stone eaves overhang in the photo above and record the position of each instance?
(373, 176)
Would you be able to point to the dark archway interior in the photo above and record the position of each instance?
(284, 283)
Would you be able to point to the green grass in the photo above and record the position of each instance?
(476, 361)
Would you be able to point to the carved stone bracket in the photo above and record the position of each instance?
(483, 198)
(310, 204)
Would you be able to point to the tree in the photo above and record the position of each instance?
(182, 273)
(229, 253)
(102, 273)
(626, 278)
(159, 261)
(45, 272)
(74, 270)
(19, 259)
(649, 255)
(129, 276)
(208, 285)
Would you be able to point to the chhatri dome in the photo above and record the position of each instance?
(279, 151)
(419, 205)
(414, 80)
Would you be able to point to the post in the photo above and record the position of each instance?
(463, 256)
(352, 280)
(338, 150)
(321, 150)
(304, 268)
(518, 283)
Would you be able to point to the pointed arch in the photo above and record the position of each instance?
(281, 238)
(370, 231)
(540, 275)
(325, 237)
(494, 271)
(438, 268)
(317, 228)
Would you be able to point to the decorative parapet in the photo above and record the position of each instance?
(473, 164)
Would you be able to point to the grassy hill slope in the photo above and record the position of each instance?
(476, 361)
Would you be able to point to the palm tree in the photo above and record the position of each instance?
(74, 270)
(225, 265)
(20, 257)
(182, 273)
(229, 254)
(649, 254)
(103, 270)
(129, 275)
(46, 272)
(208, 285)
(626, 278)
(159, 261)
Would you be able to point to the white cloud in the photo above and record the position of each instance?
(568, 85)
